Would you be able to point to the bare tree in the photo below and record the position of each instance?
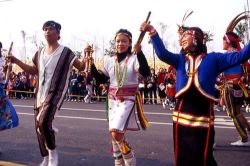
(242, 29)
(34, 39)
(163, 28)
(78, 54)
(111, 50)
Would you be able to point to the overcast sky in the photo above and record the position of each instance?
(96, 21)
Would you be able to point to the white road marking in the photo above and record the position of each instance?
(93, 110)
(220, 120)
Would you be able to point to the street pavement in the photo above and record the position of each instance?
(83, 138)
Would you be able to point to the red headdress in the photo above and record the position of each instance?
(232, 39)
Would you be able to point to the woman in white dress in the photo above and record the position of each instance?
(122, 70)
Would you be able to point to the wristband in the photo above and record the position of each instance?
(152, 32)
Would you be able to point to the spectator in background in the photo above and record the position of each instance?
(152, 87)
(24, 86)
(161, 86)
(143, 88)
(170, 87)
(89, 88)
(81, 85)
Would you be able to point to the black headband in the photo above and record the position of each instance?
(53, 24)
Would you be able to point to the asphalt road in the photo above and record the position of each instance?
(83, 138)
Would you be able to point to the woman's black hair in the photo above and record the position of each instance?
(233, 44)
(126, 32)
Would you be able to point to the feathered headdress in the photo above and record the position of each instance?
(236, 20)
(182, 28)
(233, 38)
(207, 36)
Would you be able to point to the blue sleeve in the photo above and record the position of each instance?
(162, 53)
(230, 59)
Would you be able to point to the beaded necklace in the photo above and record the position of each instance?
(120, 77)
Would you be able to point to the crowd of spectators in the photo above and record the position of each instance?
(158, 88)
(84, 88)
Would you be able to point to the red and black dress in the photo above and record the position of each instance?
(193, 129)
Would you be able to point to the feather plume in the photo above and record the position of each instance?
(181, 27)
(237, 19)
(186, 16)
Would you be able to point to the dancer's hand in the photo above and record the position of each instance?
(11, 59)
(137, 48)
(147, 27)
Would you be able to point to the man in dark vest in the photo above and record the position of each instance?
(53, 64)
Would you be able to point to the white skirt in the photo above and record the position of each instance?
(122, 114)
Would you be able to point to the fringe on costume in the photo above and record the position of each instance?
(244, 89)
(142, 119)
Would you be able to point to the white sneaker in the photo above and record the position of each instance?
(216, 108)
(248, 108)
(214, 145)
(163, 105)
(224, 108)
(167, 101)
(45, 161)
(53, 158)
(86, 100)
(240, 143)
